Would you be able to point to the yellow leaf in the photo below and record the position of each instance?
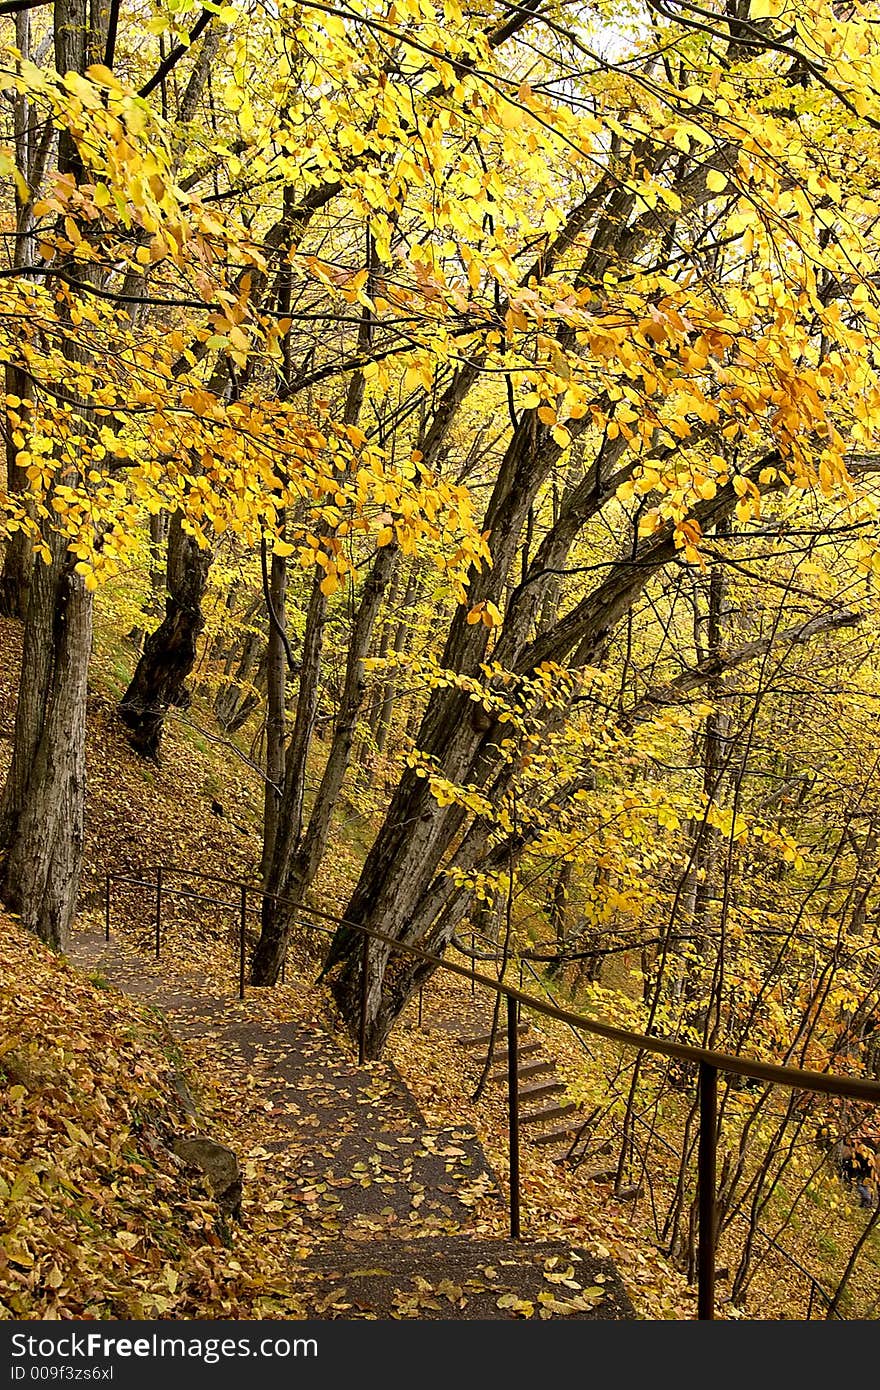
(103, 76)
(716, 182)
(515, 1304)
(511, 116)
(333, 25)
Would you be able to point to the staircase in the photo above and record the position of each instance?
(544, 1120)
(388, 1216)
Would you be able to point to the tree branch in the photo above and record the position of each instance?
(292, 663)
(721, 662)
(176, 54)
(16, 6)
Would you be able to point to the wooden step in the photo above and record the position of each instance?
(550, 1087)
(563, 1135)
(524, 1049)
(484, 1039)
(373, 1277)
(540, 1090)
(550, 1112)
(525, 1069)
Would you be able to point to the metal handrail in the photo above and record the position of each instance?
(709, 1061)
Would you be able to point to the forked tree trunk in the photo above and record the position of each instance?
(416, 833)
(169, 653)
(395, 892)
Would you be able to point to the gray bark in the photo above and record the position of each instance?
(170, 652)
(41, 811)
(276, 697)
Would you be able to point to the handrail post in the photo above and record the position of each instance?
(519, 1006)
(513, 1113)
(706, 1159)
(242, 928)
(158, 910)
(473, 965)
(107, 908)
(362, 1030)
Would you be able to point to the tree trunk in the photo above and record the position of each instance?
(170, 652)
(237, 699)
(698, 898)
(18, 558)
(295, 862)
(864, 879)
(416, 832)
(389, 690)
(275, 595)
(372, 714)
(276, 696)
(41, 821)
(291, 858)
(558, 905)
(41, 813)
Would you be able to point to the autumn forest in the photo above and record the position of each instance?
(440, 538)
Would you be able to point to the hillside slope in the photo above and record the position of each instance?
(98, 1218)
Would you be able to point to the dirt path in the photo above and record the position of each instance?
(382, 1216)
